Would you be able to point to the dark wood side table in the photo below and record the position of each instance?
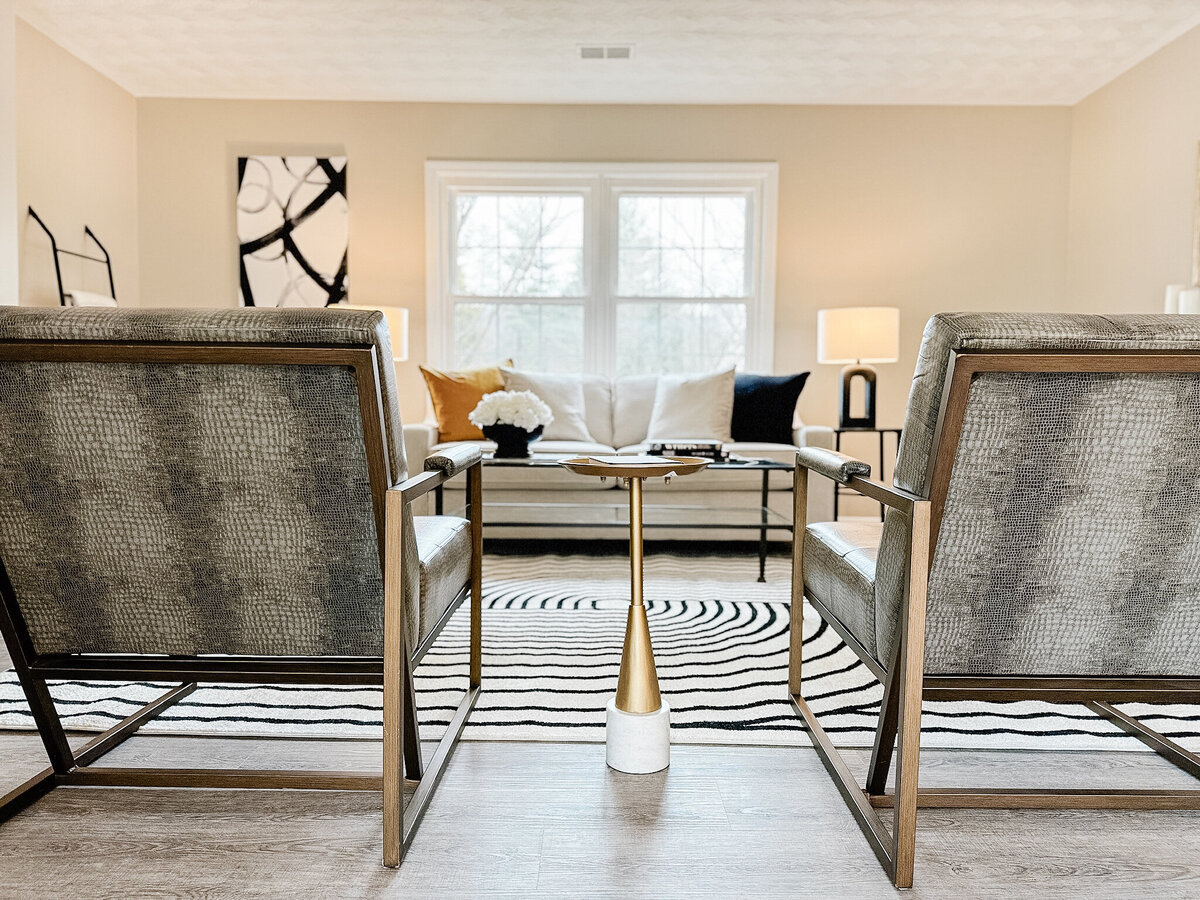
(837, 445)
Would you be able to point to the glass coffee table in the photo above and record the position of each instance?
(761, 518)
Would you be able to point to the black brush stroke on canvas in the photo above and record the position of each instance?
(335, 288)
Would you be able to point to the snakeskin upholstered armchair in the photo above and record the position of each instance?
(1041, 542)
(220, 496)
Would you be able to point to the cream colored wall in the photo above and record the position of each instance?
(8, 155)
(923, 208)
(1133, 183)
(77, 166)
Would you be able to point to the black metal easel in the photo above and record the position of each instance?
(62, 296)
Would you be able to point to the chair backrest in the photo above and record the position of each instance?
(196, 481)
(1061, 454)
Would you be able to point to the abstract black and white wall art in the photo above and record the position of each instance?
(292, 230)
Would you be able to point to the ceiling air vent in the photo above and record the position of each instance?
(600, 51)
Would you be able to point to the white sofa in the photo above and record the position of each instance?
(618, 414)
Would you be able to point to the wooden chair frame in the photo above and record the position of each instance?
(393, 671)
(906, 684)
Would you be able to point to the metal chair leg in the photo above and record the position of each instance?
(796, 627)
(910, 673)
(41, 784)
(885, 732)
(394, 653)
(413, 767)
(475, 517)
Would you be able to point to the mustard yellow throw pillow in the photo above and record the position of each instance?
(455, 394)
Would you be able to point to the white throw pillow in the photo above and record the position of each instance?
(632, 403)
(699, 407)
(87, 298)
(563, 394)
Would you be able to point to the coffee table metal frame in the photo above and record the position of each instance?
(764, 519)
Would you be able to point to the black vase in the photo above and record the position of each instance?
(512, 442)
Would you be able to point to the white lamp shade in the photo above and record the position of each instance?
(869, 334)
(397, 322)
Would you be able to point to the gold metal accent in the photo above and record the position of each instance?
(637, 685)
(671, 465)
(635, 543)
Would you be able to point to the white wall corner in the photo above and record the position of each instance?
(9, 254)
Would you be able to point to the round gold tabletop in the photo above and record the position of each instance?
(670, 465)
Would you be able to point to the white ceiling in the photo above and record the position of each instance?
(685, 51)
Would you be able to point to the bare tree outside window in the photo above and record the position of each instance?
(612, 268)
(516, 245)
(527, 246)
(683, 248)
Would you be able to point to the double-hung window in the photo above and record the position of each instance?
(617, 269)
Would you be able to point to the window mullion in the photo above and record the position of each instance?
(600, 318)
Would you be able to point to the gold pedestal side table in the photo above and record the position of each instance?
(638, 721)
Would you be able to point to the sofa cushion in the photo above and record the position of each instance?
(598, 408)
(632, 403)
(699, 407)
(784, 453)
(729, 479)
(562, 393)
(455, 394)
(839, 571)
(570, 448)
(764, 407)
(540, 478)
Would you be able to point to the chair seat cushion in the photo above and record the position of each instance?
(444, 546)
(839, 571)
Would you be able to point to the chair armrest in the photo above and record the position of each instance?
(855, 474)
(454, 459)
(439, 469)
(832, 464)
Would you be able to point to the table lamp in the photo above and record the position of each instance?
(397, 322)
(856, 336)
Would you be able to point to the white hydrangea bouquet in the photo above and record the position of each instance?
(512, 419)
(524, 409)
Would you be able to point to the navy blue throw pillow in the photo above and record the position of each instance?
(764, 406)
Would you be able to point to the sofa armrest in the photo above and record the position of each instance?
(453, 460)
(418, 441)
(813, 436)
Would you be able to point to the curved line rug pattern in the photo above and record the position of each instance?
(553, 628)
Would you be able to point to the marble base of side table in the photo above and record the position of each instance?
(638, 743)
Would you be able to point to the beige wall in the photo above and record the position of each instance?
(923, 208)
(1133, 183)
(77, 166)
(8, 154)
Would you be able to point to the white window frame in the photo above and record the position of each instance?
(601, 184)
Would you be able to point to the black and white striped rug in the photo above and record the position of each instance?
(553, 627)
